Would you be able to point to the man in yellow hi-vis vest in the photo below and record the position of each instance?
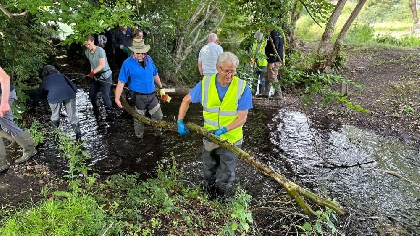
(259, 61)
(226, 100)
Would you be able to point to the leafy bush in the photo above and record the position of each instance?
(72, 216)
(360, 33)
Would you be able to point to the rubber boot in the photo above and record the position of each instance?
(261, 86)
(158, 115)
(55, 123)
(77, 130)
(25, 141)
(267, 86)
(3, 162)
(278, 94)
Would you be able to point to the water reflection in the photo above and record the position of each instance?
(372, 176)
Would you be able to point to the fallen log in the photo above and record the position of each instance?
(293, 189)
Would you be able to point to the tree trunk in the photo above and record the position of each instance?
(339, 42)
(204, 12)
(293, 189)
(293, 42)
(324, 45)
(413, 7)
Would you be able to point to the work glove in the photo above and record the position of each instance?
(219, 132)
(91, 74)
(182, 129)
(165, 97)
(161, 92)
(125, 49)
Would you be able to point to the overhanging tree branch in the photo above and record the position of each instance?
(10, 15)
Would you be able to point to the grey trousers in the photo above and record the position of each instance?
(6, 122)
(219, 168)
(143, 103)
(69, 105)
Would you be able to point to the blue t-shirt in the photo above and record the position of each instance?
(139, 79)
(244, 103)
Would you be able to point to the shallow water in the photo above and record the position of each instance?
(376, 179)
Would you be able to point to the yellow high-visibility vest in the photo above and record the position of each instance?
(260, 62)
(218, 114)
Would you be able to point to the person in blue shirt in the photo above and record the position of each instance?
(60, 91)
(140, 73)
(226, 100)
(23, 138)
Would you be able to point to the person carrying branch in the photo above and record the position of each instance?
(140, 73)
(23, 138)
(274, 50)
(99, 68)
(226, 100)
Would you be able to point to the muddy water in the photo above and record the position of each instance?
(376, 179)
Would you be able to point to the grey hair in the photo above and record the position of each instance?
(212, 37)
(48, 69)
(229, 58)
(258, 34)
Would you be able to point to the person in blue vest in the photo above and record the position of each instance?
(226, 100)
(141, 75)
(23, 138)
(60, 91)
(259, 60)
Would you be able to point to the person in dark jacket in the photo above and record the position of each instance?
(275, 57)
(60, 91)
(121, 41)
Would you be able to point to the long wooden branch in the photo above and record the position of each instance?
(293, 189)
(10, 15)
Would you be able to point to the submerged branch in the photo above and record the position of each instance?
(293, 189)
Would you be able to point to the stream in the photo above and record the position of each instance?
(376, 179)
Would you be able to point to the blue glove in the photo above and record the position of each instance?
(220, 131)
(182, 129)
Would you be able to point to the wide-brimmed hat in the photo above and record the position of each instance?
(139, 46)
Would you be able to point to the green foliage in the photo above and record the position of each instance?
(404, 41)
(142, 208)
(24, 49)
(36, 134)
(322, 225)
(308, 83)
(69, 216)
(360, 33)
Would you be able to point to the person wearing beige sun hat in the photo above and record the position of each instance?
(141, 75)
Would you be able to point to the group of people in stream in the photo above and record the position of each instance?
(225, 99)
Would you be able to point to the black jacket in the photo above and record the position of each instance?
(58, 86)
(278, 41)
